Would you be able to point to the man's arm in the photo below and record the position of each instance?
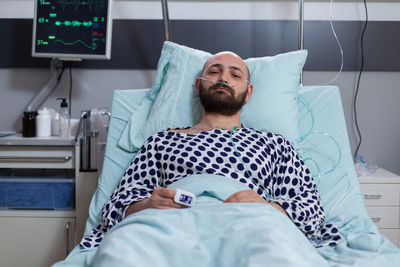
(298, 195)
(161, 198)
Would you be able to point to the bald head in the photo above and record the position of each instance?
(230, 59)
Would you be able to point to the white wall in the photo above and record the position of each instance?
(91, 89)
(379, 91)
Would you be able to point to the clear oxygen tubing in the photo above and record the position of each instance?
(246, 171)
(224, 83)
(339, 44)
(310, 132)
(341, 198)
(334, 167)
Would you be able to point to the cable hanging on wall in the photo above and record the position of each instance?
(339, 44)
(358, 81)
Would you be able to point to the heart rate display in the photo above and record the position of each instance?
(72, 29)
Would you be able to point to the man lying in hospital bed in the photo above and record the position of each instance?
(219, 144)
(211, 232)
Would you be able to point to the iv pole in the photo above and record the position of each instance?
(301, 32)
(167, 30)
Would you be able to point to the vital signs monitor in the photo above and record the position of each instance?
(71, 29)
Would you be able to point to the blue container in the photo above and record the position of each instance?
(34, 193)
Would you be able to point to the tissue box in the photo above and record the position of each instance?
(37, 193)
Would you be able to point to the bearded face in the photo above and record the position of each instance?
(220, 98)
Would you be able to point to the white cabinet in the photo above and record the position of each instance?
(381, 194)
(35, 238)
(43, 237)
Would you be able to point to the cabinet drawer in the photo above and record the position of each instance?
(57, 157)
(384, 217)
(392, 234)
(381, 194)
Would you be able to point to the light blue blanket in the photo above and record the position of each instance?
(209, 234)
(217, 234)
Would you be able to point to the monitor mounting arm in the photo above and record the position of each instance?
(48, 88)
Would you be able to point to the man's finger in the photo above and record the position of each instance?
(165, 192)
(164, 203)
(244, 196)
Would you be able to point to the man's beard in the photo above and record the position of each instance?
(221, 102)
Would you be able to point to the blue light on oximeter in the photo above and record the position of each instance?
(184, 197)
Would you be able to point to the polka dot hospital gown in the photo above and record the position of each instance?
(269, 159)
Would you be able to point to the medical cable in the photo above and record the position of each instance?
(341, 198)
(223, 83)
(59, 77)
(246, 171)
(358, 80)
(311, 131)
(70, 90)
(339, 44)
(335, 166)
(310, 110)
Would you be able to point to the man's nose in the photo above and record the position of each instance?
(223, 77)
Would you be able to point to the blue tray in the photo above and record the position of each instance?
(34, 193)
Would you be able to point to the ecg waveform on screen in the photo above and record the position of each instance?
(72, 26)
(76, 4)
(74, 23)
(74, 43)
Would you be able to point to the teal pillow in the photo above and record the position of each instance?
(172, 101)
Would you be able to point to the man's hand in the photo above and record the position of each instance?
(249, 196)
(161, 198)
(245, 196)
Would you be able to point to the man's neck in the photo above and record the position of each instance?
(214, 121)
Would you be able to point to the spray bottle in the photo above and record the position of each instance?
(65, 120)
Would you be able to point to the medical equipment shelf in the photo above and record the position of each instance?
(381, 194)
(43, 237)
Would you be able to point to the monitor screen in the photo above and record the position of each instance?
(72, 29)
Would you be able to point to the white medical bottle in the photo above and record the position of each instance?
(43, 123)
(65, 120)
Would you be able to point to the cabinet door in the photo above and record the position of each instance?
(392, 234)
(31, 241)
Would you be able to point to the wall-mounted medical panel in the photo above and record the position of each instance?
(136, 44)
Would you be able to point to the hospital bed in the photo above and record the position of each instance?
(323, 145)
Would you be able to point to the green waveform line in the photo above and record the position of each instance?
(74, 23)
(77, 3)
(73, 43)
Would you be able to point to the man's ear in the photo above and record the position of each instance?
(197, 83)
(249, 92)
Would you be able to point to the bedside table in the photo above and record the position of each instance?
(42, 236)
(381, 194)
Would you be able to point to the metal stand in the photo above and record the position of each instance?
(301, 32)
(85, 142)
(167, 31)
(48, 88)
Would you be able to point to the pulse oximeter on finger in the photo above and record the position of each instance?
(184, 198)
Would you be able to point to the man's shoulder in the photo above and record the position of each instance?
(266, 133)
(154, 136)
(270, 136)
